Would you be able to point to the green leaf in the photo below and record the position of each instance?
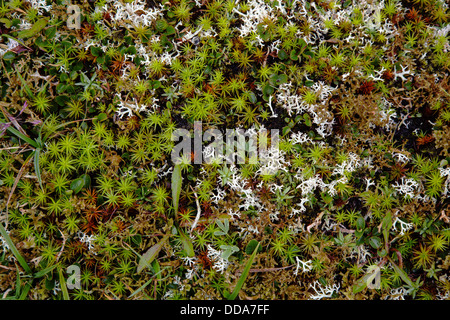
(176, 186)
(309, 53)
(35, 28)
(137, 239)
(360, 284)
(358, 233)
(151, 254)
(170, 30)
(18, 283)
(157, 274)
(23, 137)
(50, 32)
(87, 180)
(6, 22)
(226, 294)
(360, 223)
(141, 287)
(252, 97)
(382, 252)
(276, 80)
(155, 84)
(9, 56)
(187, 244)
(307, 119)
(294, 55)
(37, 168)
(62, 100)
(375, 242)
(244, 275)
(251, 246)
(267, 90)
(157, 269)
(43, 272)
(49, 284)
(77, 185)
(62, 282)
(224, 226)
(401, 273)
(386, 225)
(96, 52)
(302, 43)
(228, 251)
(26, 87)
(161, 25)
(101, 60)
(101, 117)
(25, 289)
(282, 78)
(131, 50)
(282, 54)
(286, 130)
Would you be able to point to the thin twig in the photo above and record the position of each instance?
(28, 176)
(63, 244)
(271, 269)
(7, 268)
(5, 294)
(316, 223)
(9, 148)
(197, 217)
(444, 217)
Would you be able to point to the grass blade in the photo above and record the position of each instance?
(35, 28)
(141, 288)
(360, 284)
(37, 168)
(401, 273)
(25, 85)
(62, 282)
(176, 186)
(25, 289)
(151, 254)
(43, 272)
(15, 39)
(244, 275)
(187, 244)
(14, 250)
(23, 137)
(157, 274)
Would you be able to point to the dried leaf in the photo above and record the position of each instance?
(37, 26)
(151, 254)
